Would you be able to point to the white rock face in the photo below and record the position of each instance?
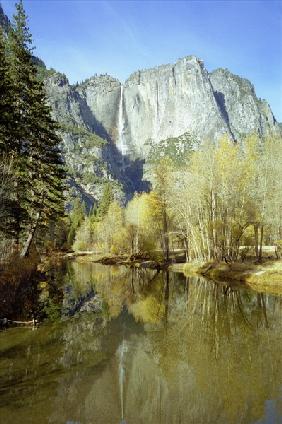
(102, 95)
(169, 101)
(163, 102)
(65, 102)
(244, 112)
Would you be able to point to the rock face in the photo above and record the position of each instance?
(153, 105)
(243, 111)
(83, 158)
(86, 110)
(170, 100)
(4, 20)
(101, 94)
(68, 107)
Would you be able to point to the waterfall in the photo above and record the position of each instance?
(121, 144)
(121, 369)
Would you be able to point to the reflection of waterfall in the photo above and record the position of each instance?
(121, 141)
(121, 368)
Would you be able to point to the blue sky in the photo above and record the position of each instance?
(81, 38)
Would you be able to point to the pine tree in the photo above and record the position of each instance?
(106, 199)
(39, 165)
(76, 216)
(8, 204)
(6, 110)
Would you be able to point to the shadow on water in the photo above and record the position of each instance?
(152, 348)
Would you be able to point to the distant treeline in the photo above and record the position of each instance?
(217, 198)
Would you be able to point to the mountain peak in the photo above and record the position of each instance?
(4, 20)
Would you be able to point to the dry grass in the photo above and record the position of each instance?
(266, 276)
(192, 268)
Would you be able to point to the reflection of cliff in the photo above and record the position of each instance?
(186, 351)
(208, 363)
(90, 389)
(117, 286)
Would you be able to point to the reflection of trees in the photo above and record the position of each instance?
(220, 339)
(211, 358)
(138, 289)
(148, 306)
(197, 352)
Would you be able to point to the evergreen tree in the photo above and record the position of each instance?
(6, 109)
(8, 205)
(39, 165)
(106, 199)
(76, 216)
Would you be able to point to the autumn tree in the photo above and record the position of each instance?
(161, 182)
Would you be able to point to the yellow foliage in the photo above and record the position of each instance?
(148, 310)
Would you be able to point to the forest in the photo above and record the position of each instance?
(31, 166)
(210, 199)
(219, 198)
(140, 218)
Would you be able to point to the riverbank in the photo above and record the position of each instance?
(265, 276)
(141, 260)
(113, 322)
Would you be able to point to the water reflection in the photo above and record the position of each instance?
(160, 348)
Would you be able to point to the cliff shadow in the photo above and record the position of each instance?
(220, 100)
(129, 172)
(87, 198)
(90, 119)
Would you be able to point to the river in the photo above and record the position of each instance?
(136, 346)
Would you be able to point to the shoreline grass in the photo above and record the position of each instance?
(264, 276)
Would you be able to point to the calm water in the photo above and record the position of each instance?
(139, 347)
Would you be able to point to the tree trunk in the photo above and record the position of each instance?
(260, 243)
(137, 239)
(165, 236)
(186, 244)
(256, 240)
(166, 297)
(26, 247)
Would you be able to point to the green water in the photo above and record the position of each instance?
(154, 348)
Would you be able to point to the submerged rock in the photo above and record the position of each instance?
(88, 302)
(151, 265)
(92, 305)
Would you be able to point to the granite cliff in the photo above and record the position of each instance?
(164, 102)
(4, 20)
(152, 105)
(243, 111)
